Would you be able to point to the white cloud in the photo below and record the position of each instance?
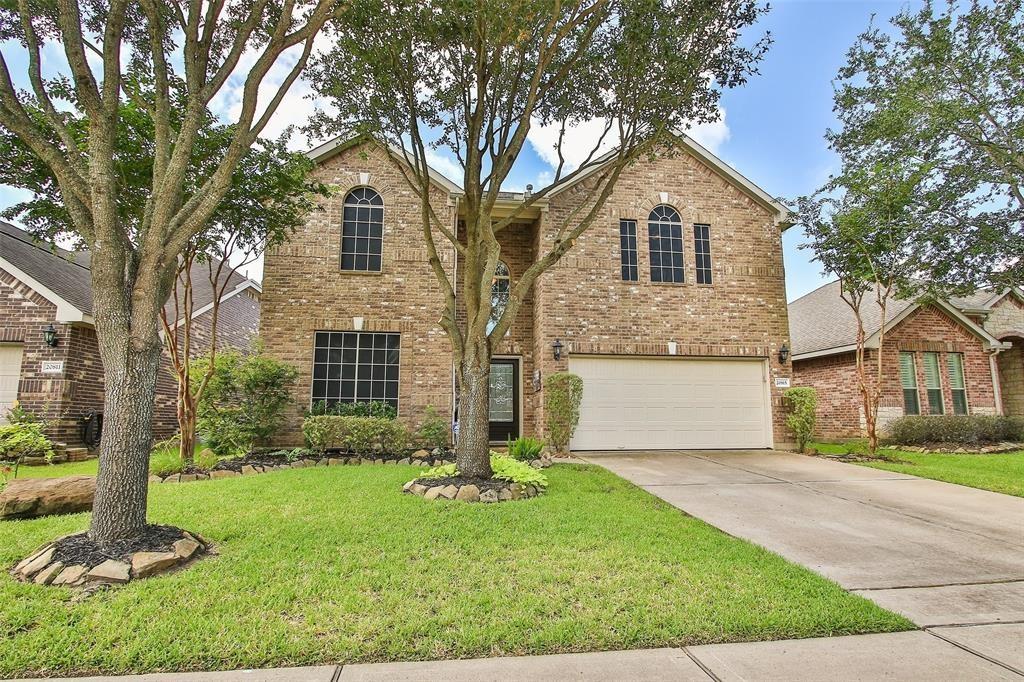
(711, 135)
(446, 165)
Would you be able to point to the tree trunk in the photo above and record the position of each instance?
(473, 453)
(129, 373)
(187, 427)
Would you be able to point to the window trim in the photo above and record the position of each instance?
(341, 245)
(915, 389)
(677, 222)
(625, 223)
(929, 389)
(697, 269)
(492, 322)
(963, 380)
(313, 364)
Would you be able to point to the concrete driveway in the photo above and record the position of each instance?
(950, 558)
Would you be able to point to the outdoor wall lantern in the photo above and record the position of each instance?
(783, 354)
(50, 336)
(557, 346)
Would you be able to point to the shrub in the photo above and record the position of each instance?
(361, 435)
(24, 439)
(804, 402)
(964, 429)
(525, 449)
(17, 414)
(373, 408)
(244, 403)
(563, 393)
(505, 468)
(165, 458)
(434, 431)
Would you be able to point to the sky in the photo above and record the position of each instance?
(772, 129)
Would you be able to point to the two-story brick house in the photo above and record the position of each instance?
(671, 306)
(955, 356)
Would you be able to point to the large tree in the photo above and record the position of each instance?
(185, 53)
(475, 78)
(943, 91)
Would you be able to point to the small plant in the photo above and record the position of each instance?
(525, 449)
(802, 416)
(505, 468)
(25, 439)
(361, 435)
(295, 454)
(17, 414)
(433, 431)
(373, 408)
(164, 462)
(563, 393)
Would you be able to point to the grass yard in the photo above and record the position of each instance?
(87, 467)
(334, 565)
(1001, 473)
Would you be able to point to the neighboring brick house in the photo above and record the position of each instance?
(936, 359)
(42, 285)
(688, 360)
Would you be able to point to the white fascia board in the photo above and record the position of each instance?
(66, 312)
(824, 352)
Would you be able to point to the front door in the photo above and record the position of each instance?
(504, 409)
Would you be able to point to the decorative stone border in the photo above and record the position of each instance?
(418, 458)
(44, 567)
(503, 491)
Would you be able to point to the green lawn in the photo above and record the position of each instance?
(53, 470)
(1001, 473)
(334, 565)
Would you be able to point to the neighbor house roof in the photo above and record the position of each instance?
(822, 323)
(63, 277)
(982, 300)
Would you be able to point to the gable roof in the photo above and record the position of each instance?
(63, 277)
(983, 300)
(821, 323)
(322, 152)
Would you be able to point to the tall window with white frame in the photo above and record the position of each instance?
(933, 383)
(362, 231)
(957, 384)
(908, 378)
(628, 251)
(501, 287)
(665, 235)
(702, 252)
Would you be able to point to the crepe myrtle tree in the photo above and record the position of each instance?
(113, 52)
(475, 78)
(864, 228)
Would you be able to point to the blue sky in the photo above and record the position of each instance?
(773, 127)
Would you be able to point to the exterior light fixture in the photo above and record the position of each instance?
(783, 354)
(557, 346)
(50, 336)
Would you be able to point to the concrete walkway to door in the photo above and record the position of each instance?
(948, 557)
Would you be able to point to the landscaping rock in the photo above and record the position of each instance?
(147, 563)
(155, 479)
(417, 488)
(516, 490)
(110, 571)
(38, 563)
(32, 557)
(207, 454)
(185, 548)
(421, 454)
(202, 477)
(309, 462)
(26, 498)
(173, 478)
(531, 491)
(404, 460)
(504, 495)
(432, 493)
(223, 473)
(335, 462)
(188, 478)
(321, 462)
(46, 576)
(70, 575)
(248, 470)
(449, 492)
(489, 496)
(408, 486)
(468, 493)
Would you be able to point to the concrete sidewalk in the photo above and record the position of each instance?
(909, 656)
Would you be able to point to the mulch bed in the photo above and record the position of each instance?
(459, 481)
(252, 459)
(79, 549)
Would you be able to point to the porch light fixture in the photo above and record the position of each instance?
(50, 336)
(783, 354)
(557, 346)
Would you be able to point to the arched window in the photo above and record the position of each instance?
(501, 285)
(665, 234)
(362, 230)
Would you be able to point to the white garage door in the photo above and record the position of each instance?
(669, 404)
(10, 372)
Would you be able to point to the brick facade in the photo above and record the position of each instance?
(581, 301)
(63, 398)
(1006, 323)
(927, 329)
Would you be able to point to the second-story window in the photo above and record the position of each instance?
(627, 250)
(362, 231)
(702, 253)
(665, 234)
(501, 286)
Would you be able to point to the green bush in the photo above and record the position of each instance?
(971, 429)
(243, 405)
(801, 419)
(165, 458)
(563, 393)
(505, 468)
(434, 431)
(373, 408)
(525, 449)
(361, 435)
(24, 439)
